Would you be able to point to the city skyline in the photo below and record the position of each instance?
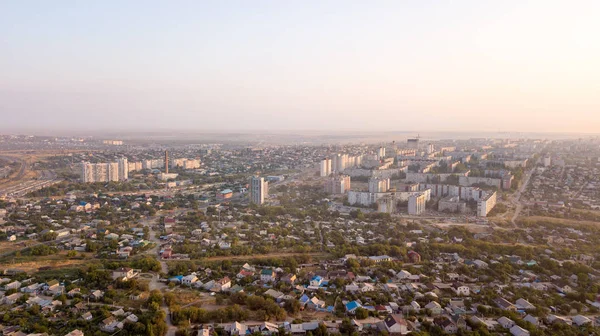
(493, 67)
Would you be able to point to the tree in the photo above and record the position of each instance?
(292, 306)
(347, 328)
(361, 313)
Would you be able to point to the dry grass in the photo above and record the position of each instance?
(32, 264)
(561, 221)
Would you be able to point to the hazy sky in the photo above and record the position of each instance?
(390, 65)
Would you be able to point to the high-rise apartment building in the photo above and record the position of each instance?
(259, 190)
(338, 184)
(113, 171)
(104, 172)
(381, 153)
(100, 172)
(416, 204)
(123, 169)
(166, 162)
(87, 172)
(379, 184)
(325, 167)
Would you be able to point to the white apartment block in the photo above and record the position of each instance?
(123, 169)
(416, 204)
(366, 198)
(485, 205)
(185, 163)
(259, 189)
(113, 171)
(379, 184)
(381, 153)
(325, 167)
(338, 184)
(104, 172)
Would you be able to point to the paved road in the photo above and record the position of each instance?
(154, 282)
(517, 197)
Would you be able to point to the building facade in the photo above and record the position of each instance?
(416, 204)
(338, 184)
(325, 167)
(258, 190)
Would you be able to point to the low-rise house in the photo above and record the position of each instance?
(532, 319)
(243, 273)
(505, 322)
(403, 275)
(110, 324)
(378, 259)
(274, 294)
(87, 316)
(267, 275)
(352, 306)
(414, 257)
(434, 307)
(580, 320)
(96, 295)
(316, 281)
(479, 321)
(460, 289)
(502, 303)
(188, 280)
(12, 298)
(289, 279)
(554, 319)
(131, 318)
(518, 331)
(395, 324)
(523, 304)
(12, 285)
(33, 288)
(123, 273)
(315, 303)
(75, 332)
(221, 285)
(446, 324)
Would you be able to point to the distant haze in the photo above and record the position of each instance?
(300, 65)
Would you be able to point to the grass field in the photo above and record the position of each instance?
(32, 264)
(561, 221)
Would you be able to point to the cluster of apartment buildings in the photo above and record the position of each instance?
(337, 163)
(105, 172)
(417, 195)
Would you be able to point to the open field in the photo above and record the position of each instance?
(32, 264)
(561, 221)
